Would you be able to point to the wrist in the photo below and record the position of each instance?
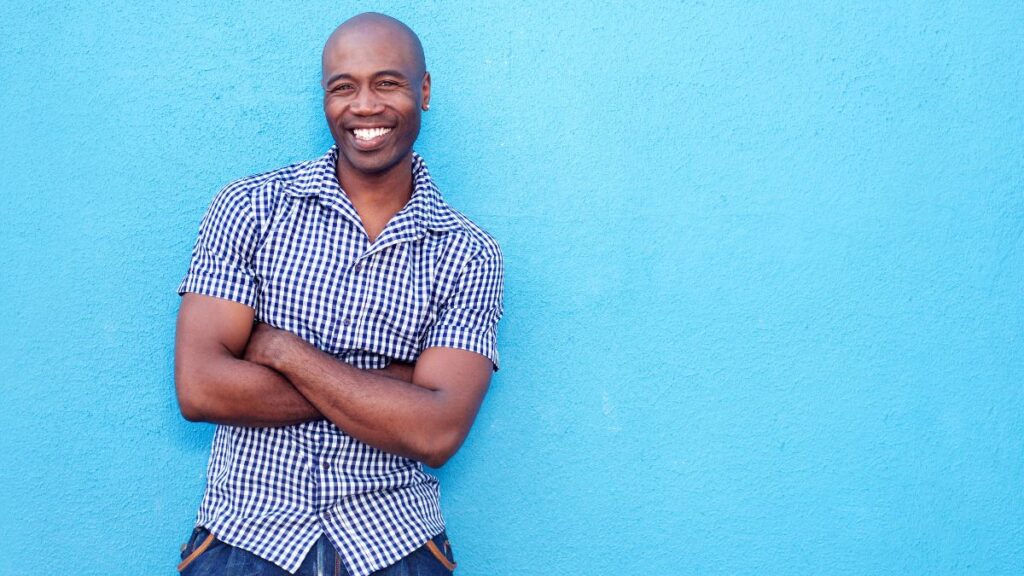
(281, 353)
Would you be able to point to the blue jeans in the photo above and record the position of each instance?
(204, 555)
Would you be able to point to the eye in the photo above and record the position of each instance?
(387, 84)
(344, 87)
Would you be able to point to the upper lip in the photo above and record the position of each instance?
(366, 126)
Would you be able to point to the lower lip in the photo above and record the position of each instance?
(371, 144)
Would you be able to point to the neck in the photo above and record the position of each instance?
(390, 189)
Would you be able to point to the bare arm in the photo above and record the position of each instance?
(215, 384)
(426, 420)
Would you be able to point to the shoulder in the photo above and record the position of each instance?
(255, 197)
(460, 235)
(477, 242)
(274, 182)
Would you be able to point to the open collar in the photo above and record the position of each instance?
(426, 209)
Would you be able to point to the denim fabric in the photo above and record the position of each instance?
(220, 559)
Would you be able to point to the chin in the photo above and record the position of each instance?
(371, 167)
(372, 163)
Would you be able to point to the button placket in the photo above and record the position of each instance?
(351, 277)
(325, 452)
(357, 279)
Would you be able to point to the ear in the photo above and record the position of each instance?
(426, 90)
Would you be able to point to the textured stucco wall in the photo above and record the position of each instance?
(764, 265)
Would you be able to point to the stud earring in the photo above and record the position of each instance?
(426, 106)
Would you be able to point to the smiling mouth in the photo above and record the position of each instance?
(369, 134)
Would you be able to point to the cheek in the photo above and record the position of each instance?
(333, 108)
(410, 114)
(414, 125)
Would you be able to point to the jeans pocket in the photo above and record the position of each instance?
(200, 541)
(441, 550)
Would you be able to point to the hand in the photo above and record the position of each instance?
(268, 345)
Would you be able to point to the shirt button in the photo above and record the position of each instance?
(347, 321)
(327, 466)
(357, 268)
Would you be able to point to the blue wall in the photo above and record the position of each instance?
(764, 266)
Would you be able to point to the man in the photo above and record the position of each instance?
(375, 308)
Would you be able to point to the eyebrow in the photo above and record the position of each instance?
(347, 76)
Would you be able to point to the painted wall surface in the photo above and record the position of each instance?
(764, 269)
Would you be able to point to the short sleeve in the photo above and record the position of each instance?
(221, 264)
(468, 320)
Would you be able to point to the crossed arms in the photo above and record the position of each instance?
(229, 371)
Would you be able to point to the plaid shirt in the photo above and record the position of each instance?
(290, 244)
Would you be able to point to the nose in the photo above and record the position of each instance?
(366, 103)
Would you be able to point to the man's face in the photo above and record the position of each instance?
(373, 92)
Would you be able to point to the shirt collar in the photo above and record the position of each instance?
(426, 206)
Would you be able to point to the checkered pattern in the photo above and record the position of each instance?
(289, 244)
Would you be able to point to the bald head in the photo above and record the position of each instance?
(375, 31)
(375, 89)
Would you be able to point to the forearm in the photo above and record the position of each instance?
(390, 414)
(234, 391)
(228, 390)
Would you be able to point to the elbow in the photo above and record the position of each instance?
(443, 447)
(189, 403)
(191, 412)
(437, 460)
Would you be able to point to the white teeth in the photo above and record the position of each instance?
(370, 133)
